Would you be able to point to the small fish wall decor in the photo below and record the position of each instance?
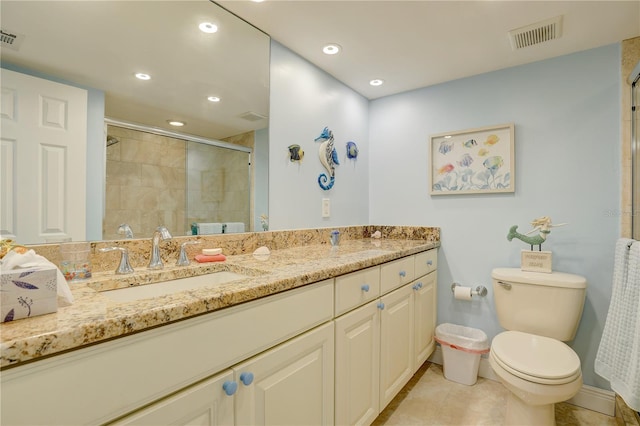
(295, 153)
(328, 158)
(352, 150)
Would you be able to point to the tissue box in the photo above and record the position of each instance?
(27, 292)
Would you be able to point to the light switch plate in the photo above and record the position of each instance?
(326, 207)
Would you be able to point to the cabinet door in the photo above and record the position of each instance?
(204, 404)
(424, 296)
(291, 384)
(396, 342)
(358, 366)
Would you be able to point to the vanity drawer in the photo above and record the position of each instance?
(426, 262)
(396, 273)
(356, 288)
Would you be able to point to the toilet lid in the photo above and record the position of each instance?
(535, 358)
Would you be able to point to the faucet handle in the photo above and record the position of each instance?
(126, 230)
(124, 267)
(183, 260)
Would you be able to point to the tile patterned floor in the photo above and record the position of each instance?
(430, 399)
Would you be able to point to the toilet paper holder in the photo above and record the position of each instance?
(479, 290)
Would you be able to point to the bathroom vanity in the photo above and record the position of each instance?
(313, 335)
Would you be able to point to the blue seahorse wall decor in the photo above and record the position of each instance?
(328, 158)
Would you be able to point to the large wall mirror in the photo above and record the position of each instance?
(216, 83)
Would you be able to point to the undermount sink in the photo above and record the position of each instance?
(164, 288)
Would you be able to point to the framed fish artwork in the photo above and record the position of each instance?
(473, 161)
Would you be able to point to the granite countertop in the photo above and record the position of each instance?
(93, 317)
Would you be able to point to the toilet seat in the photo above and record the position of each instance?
(534, 358)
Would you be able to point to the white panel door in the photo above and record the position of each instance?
(44, 133)
(424, 296)
(209, 403)
(358, 366)
(396, 342)
(291, 384)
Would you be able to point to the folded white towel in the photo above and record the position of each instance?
(233, 227)
(209, 228)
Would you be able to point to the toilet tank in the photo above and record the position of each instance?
(539, 303)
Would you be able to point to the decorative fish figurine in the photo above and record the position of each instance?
(295, 153)
(470, 143)
(352, 150)
(492, 140)
(328, 156)
(483, 152)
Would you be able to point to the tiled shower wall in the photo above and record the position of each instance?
(146, 185)
(630, 57)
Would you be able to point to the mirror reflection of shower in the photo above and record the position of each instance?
(154, 178)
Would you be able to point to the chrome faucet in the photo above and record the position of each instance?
(183, 260)
(124, 267)
(126, 230)
(160, 234)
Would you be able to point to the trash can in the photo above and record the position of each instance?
(461, 350)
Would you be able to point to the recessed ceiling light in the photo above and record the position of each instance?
(208, 27)
(176, 123)
(257, 1)
(331, 49)
(376, 82)
(143, 76)
(213, 99)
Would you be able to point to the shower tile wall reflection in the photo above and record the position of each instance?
(147, 183)
(218, 184)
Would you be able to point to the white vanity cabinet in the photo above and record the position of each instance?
(396, 342)
(205, 404)
(357, 392)
(103, 382)
(381, 343)
(331, 352)
(289, 384)
(425, 316)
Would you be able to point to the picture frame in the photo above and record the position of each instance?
(473, 161)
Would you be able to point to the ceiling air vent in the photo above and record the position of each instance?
(10, 39)
(252, 116)
(537, 33)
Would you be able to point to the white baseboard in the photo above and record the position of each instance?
(589, 397)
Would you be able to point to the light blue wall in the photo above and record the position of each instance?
(303, 101)
(567, 145)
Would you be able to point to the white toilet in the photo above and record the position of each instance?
(540, 311)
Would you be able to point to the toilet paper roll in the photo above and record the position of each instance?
(462, 293)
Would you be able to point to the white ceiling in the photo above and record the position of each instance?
(102, 44)
(413, 44)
